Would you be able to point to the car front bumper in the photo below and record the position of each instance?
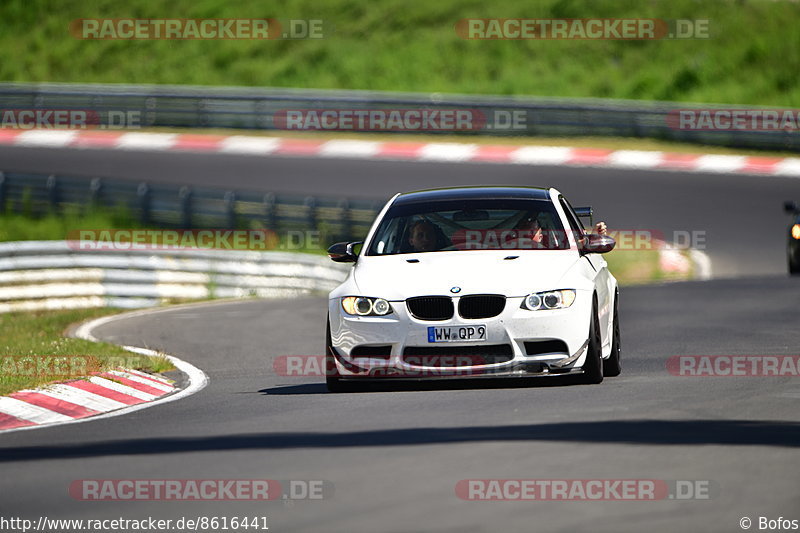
(534, 343)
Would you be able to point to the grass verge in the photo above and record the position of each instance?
(639, 267)
(35, 352)
(52, 226)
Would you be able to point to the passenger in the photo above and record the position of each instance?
(530, 228)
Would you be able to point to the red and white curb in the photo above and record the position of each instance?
(101, 395)
(405, 151)
(80, 398)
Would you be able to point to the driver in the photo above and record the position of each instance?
(423, 236)
(530, 228)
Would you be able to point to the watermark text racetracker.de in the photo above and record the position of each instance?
(57, 366)
(531, 239)
(584, 490)
(199, 489)
(76, 119)
(406, 119)
(265, 239)
(178, 239)
(429, 366)
(734, 365)
(762, 120)
(188, 29)
(63, 366)
(582, 29)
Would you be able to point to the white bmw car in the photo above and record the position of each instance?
(474, 282)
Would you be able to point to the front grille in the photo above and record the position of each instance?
(430, 307)
(481, 305)
(540, 347)
(475, 355)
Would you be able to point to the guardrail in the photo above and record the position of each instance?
(42, 275)
(172, 206)
(256, 108)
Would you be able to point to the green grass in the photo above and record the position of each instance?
(752, 57)
(637, 267)
(25, 227)
(22, 227)
(634, 267)
(27, 340)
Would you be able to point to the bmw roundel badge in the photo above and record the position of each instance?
(455, 290)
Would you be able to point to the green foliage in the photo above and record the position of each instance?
(54, 226)
(752, 57)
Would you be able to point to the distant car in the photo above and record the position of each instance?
(474, 282)
(793, 238)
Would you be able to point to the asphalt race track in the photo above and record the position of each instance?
(394, 457)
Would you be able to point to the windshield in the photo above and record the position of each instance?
(484, 224)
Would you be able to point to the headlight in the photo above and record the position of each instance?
(549, 300)
(363, 306)
(796, 231)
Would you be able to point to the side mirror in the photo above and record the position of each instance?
(598, 244)
(342, 252)
(790, 208)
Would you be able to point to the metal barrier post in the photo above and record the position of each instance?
(143, 195)
(185, 197)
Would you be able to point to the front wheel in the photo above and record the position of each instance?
(613, 366)
(593, 366)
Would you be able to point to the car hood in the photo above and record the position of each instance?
(475, 272)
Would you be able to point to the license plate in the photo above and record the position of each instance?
(456, 333)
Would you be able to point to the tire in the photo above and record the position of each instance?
(613, 366)
(332, 380)
(593, 366)
(793, 257)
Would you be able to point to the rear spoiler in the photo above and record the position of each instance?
(585, 212)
